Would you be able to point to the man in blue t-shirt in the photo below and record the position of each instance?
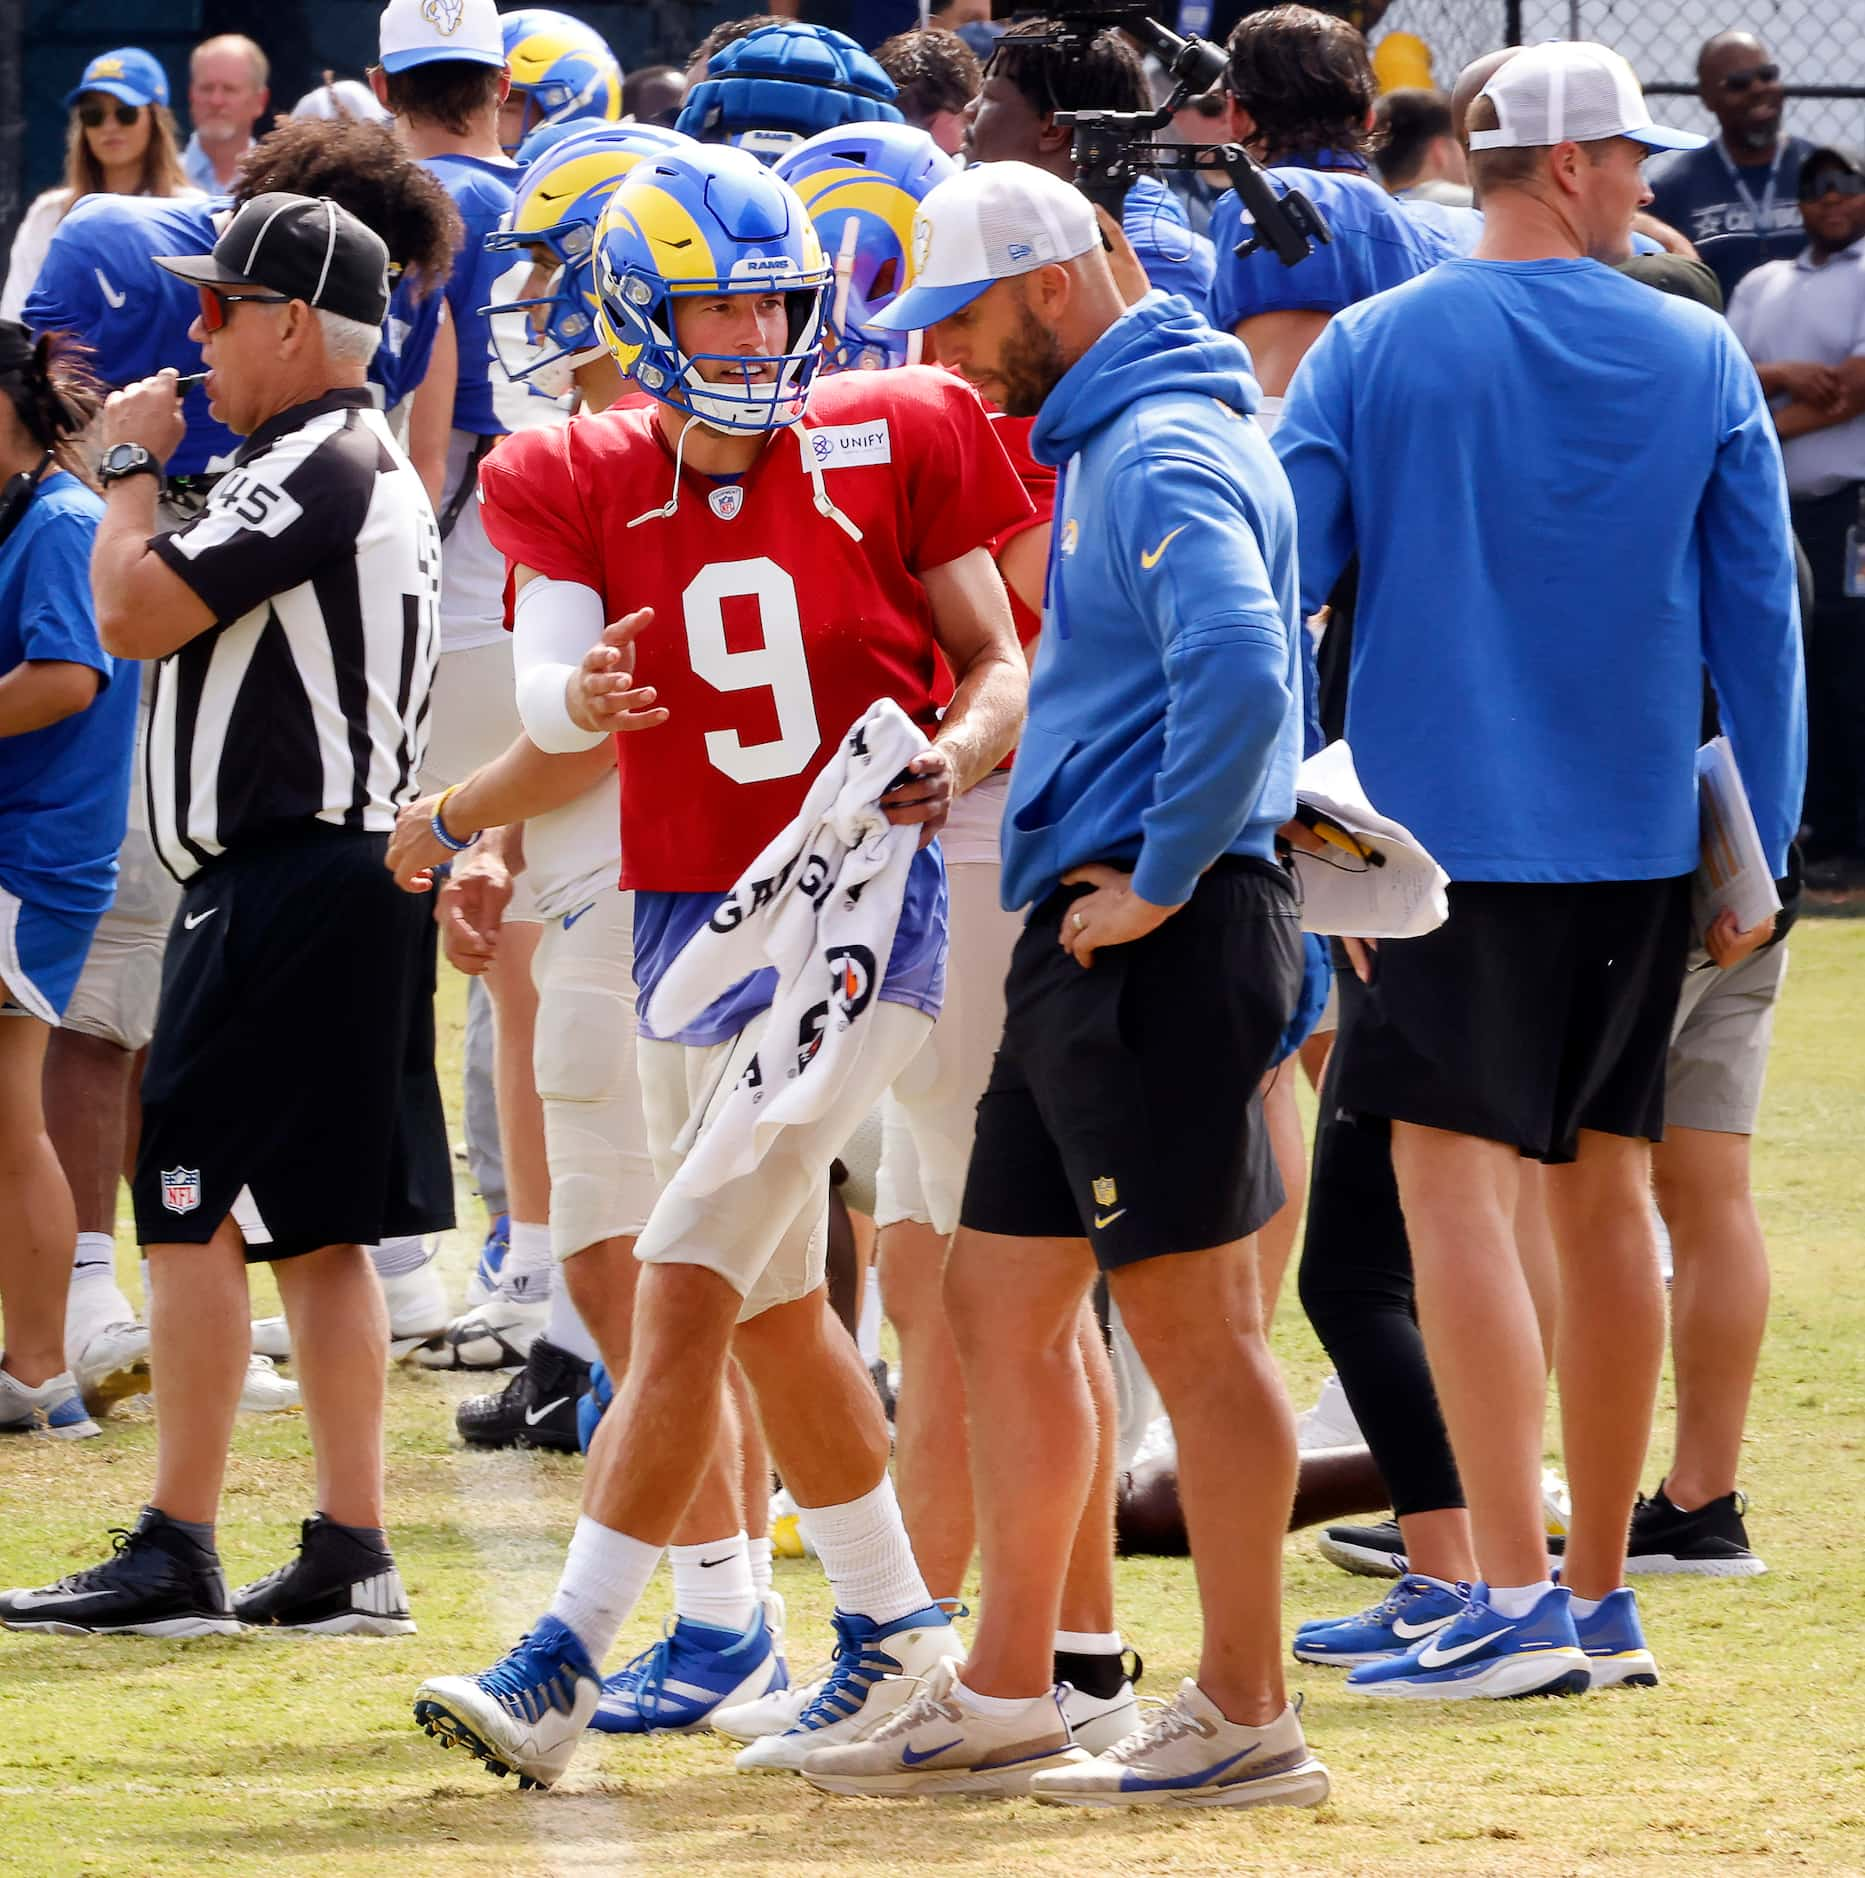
(1013, 120)
(1737, 198)
(1552, 549)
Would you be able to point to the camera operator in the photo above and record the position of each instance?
(1038, 70)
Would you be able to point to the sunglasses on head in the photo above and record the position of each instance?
(1755, 75)
(94, 112)
(1832, 183)
(215, 301)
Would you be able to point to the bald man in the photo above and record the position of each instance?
(1738, 199)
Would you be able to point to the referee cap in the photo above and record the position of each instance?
(1571, 91)
(305, 247)
(990, 222)
(422, 32)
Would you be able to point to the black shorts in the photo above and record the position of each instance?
(292, 1070)
(1123, 1106)
(1536, 1010)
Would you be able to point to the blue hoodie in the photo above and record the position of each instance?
(1165, 705)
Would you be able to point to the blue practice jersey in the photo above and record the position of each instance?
(482, 192)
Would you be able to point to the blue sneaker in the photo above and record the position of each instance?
(1480, 1652)
(485, 1278)
(1417, 1608)
(1614, 1642)
(694, 1669)
(526, 1713)
(877, 1668)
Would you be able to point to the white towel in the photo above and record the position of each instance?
(821, 904)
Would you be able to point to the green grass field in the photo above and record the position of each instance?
(255, 1756)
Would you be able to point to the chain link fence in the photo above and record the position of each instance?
(1819, 44)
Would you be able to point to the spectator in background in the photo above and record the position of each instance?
(1418, 156)
(937, 75)
(227, 96)
(653, 95)
(1737, 199)
(121, 141)
(1013, 118)
(1803, 323)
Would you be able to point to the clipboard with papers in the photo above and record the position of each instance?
(1733, 874)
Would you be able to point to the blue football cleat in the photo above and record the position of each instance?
(695, 1669)
(1482, 1653)
(1417, 1608)
(1614, 1641)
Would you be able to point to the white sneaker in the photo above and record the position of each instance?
(933, 1743)
(417, 1302)
(110, 1361)
(1330, 1423)
(876, 1669)
(265, 1391)
(1096, 1722)
(495, 1335)
(1189, 1754)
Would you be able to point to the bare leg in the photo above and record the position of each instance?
(1719, 1304)
(40, 1229)
(1277, 1239)
(200, 1336)
(1610, 1348)
(86, 1113)
(521, 1114)
(340, 1339)
(1088, 1587)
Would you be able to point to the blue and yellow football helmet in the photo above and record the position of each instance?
(554, 212)
(706, 222)
(561, 69)
(861, 185)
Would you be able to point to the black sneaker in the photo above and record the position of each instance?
(1712, 1542)
(536, 1409)
(157, 1583)
(339, 1585)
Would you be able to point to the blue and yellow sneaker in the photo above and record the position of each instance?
(1417, 1608)
(526, 1713)
(1480, 1652)
(1614, 1641)
(696, 1668)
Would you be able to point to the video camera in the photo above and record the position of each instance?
(1112, 148)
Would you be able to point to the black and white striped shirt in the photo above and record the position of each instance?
(308, 698)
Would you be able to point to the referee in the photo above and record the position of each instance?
(290, 1110)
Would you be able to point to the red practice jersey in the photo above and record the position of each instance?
(773, 630)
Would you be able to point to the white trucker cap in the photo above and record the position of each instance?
(990, 222)
(420, 32)
(1571, 90)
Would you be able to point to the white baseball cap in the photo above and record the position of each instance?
(988, 223)
(1571, 90)
(420, 32)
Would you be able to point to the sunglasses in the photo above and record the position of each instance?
(1832, 183)
(1755, 75)
(92, 116)
(214, 304)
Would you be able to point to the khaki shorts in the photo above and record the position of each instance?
(121, 983)
(1719, 1047)
(602, 1183)
(767, 1233)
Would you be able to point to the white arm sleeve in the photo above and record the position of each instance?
(554, 623)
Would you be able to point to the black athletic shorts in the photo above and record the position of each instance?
(291, 1078)
(1123, 1106)
(1536, 1010)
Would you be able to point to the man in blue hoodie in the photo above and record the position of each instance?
(1122, 1130)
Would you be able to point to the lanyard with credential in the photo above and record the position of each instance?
(1763, 211)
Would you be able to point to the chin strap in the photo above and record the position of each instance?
(824, 505)
(670, 507)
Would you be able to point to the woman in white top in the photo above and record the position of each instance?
(121, 142)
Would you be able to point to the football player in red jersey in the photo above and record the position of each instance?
(772, 568)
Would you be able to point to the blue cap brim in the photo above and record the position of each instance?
(1662, 137)
(921, 307)
(117, 88)
(432, 55)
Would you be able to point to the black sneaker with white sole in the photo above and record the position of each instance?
(536, 1409)
(1711, 1542)
(341, 1584)
(157, 1583)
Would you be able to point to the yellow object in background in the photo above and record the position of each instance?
(1403, 60)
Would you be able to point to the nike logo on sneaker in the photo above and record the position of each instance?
(909, 1758)
(110, 293)
(1435, 1656)
(1102, 1220)
(1412, 1632)
(192, 920)
(534, 1416)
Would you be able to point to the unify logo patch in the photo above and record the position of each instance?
(842, 446)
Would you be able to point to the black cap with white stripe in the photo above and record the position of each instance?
(306, 247)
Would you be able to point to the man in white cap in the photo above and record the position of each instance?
(1551, 549)
(1122, 1130)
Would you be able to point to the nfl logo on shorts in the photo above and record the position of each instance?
(181, 1189)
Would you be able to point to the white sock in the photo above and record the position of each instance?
(1518, 1600)
(992, 1707)
(864, 1550)
(1089, 1642)
(95, 1258)
(529, 1271)
(763, 1572)
(604, 1574)
(1585, 1607)
(396, 1258)
(565, 1327)
(712, 1584)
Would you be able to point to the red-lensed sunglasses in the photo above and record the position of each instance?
(214, 304)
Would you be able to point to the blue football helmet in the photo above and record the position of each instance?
(554, 213)
(705, 222)
(773, 88)
(561, 69)
(861, 185)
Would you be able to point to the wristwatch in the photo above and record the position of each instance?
(126, 459)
